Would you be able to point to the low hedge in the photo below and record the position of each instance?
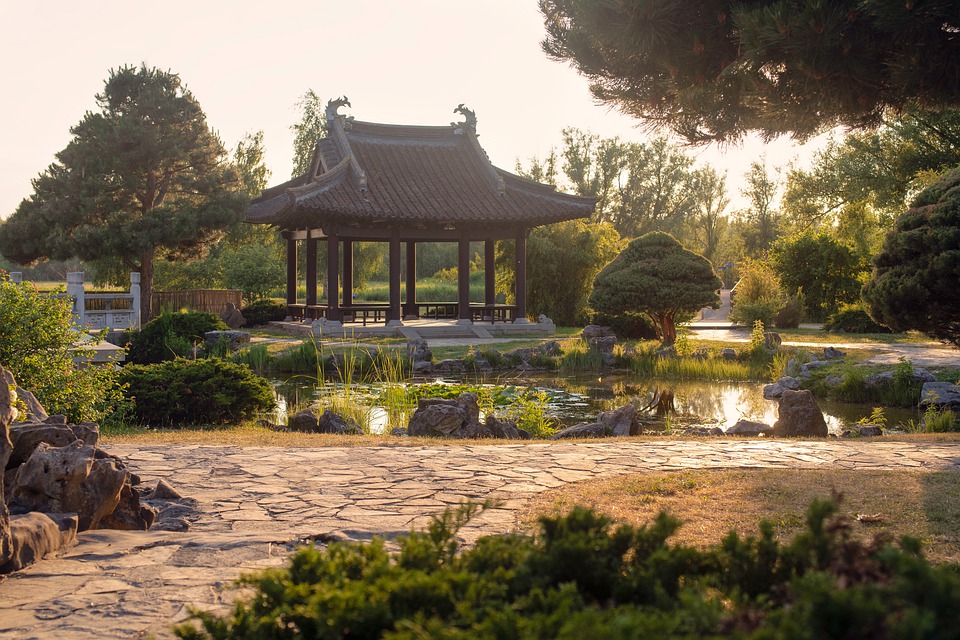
(206, 391)
(171, 335)
(263, 311)
(854, 321)
(582, 578)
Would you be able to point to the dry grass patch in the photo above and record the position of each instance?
(256, 436)
(711, 503)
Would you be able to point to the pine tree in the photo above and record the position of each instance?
(715, 69)
(143, 177)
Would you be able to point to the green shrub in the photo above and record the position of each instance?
(854, 321)
(38, 346)
(790, 314)
(207, 391)
(627, 326)
(748, 313)
(939, 420)
(172, 335)
(581, 577)
(263, 311)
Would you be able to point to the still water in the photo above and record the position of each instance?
(579, 398)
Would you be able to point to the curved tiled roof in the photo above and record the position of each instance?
(365, 174)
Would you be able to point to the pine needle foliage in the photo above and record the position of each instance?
(582, 576)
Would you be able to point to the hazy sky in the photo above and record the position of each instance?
(408, 62)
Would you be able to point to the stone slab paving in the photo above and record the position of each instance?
(252, 506)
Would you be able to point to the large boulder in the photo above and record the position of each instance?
(34, 535)
(305, 420)
(749, 428)
(68, 479)
(35, 410)
(129, 514)
(582, 430)
(620, 422)
(918, 375)
(799, 416)
(27, 437)
(331, 422)
(616, 423)
(8, 412)
(419, 351)
(437, 420)
(940, 394)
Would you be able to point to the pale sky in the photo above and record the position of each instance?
(403, 62)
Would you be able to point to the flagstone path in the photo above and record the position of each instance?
(249, 507)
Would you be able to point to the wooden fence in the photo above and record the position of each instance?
(210, 300)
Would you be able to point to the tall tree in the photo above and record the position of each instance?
(714, 69)
(142, 177)
(708, 223)
(879, 170)
(761, 215)
(306, 132)
(654, 190)
(639, 186)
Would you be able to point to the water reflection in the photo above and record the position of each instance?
(574, 399)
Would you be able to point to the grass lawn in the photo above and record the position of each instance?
(711, 503)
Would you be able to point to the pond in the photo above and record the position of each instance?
(579, 398)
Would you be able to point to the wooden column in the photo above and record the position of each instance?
(311, 272)
(347, 276)
(489, 272)
(463, 278)
(333, 276)
(520, 275)
(410, 310)
(291, 271)
(395, 312)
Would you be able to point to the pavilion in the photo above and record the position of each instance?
(399, 184)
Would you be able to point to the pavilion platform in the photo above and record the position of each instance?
(421, 328)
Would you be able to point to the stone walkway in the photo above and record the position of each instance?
(250, 507)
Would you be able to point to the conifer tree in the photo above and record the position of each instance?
(143, 177)
(715, 69)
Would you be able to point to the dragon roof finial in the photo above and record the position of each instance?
(469, 114)
(333, 105)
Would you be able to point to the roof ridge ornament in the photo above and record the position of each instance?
(334, 105)
(470, 122)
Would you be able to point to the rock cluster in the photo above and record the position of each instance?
(328, 422)
(459, 418)
(57, 482)
(616, 423)
(232, 317)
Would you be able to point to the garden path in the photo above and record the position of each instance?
(252, 506)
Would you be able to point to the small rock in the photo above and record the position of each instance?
(582, 430)
(833, 382)
(806, 370)
(772, 340)
(870, 430)
(597, 331)
(749, 428)
(728, 354)
(236, 340)
(450, 366)
(772, 391)
(331, 422)
(164, 491)
(832, 353)
(232, 317)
